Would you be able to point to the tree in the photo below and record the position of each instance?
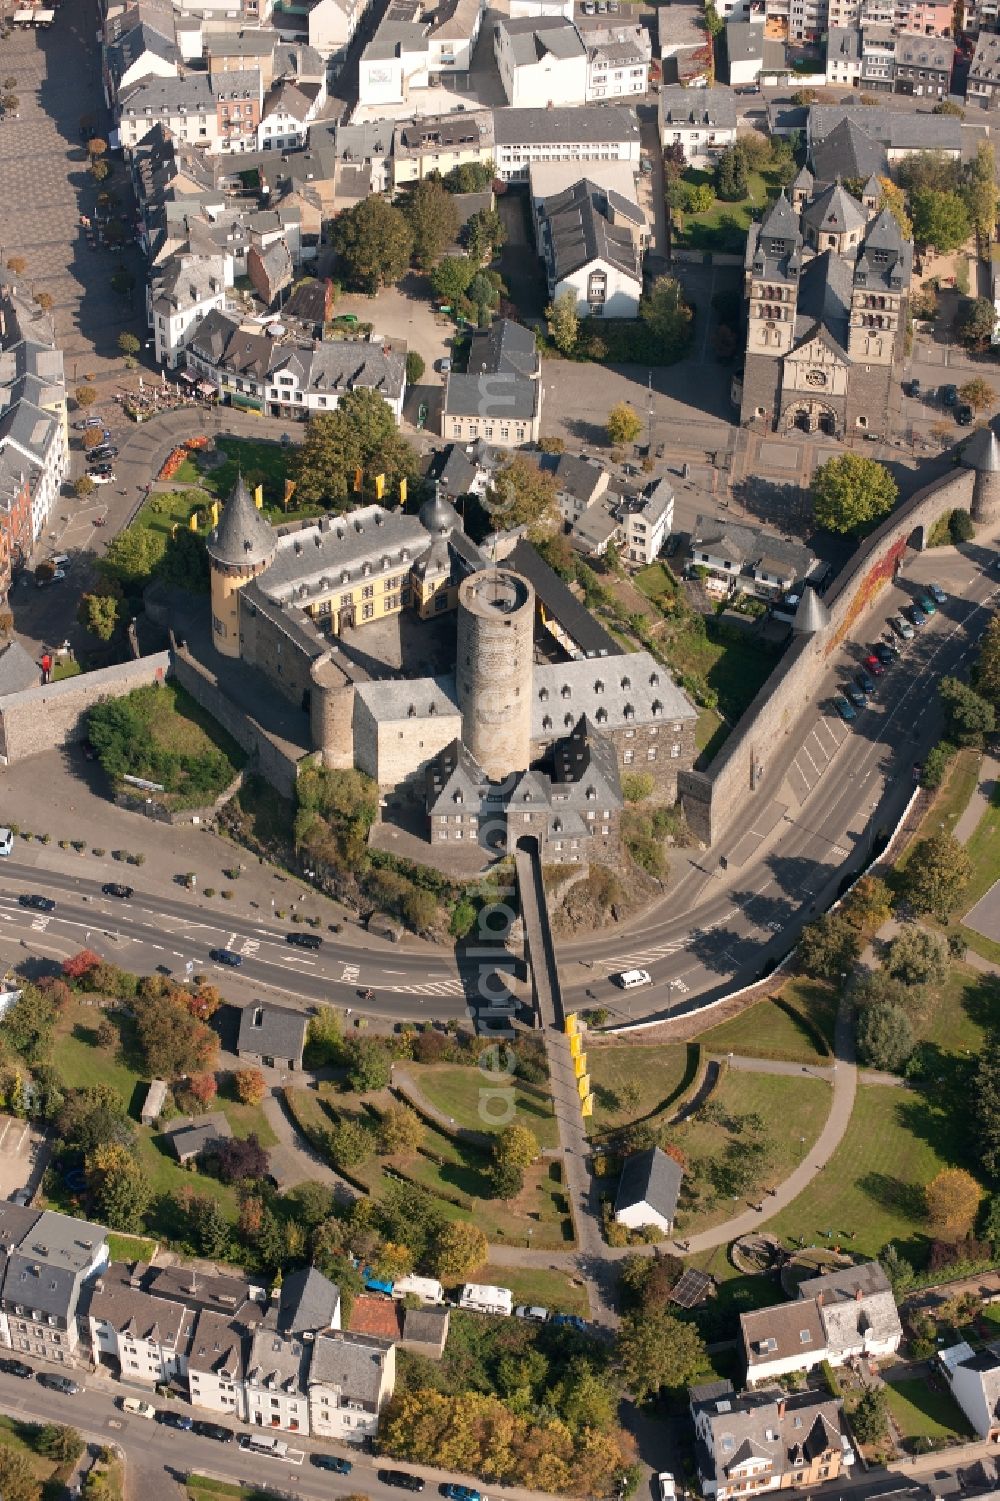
(58, 1442)
(451, 276)
(714, 24)
(978, 393)
(45, 300)
(204, 1088)
(885, 1037)
(978, 323)
(985, 1097)
(17, 265)
(828, 947)
(869, 1417)
(132, 556)
(851, 492)
(461, 1248)
(969, 717)
(420, 908)
(667, 316)
(731, 180)
(128, 343)
(939, 219)
(94, 1117)
(980, 191)
(563, 321)
(10, 103)
(173, 1043)
(29, 1023)
(674, 162)
(208, 1226)
(506, 1179)
(96, 147)
(120, 1186)
(892, 197)
(516, 1144)
(936, 875)
(470, 177)
(415, 367)
(400, 1129)
(432, 215)
(374, 242)
(349, 1143)
(17, 1475)
(98, 613)
(83, 486)
(123, 283)
(484, 235)
(868, 905)
(898, 1270)
(360, 434)
(93, 437)
(656, 1351)
(250, 1086)
(235, 1160)
(368, 1066)
(522, 495)
(986, 673)
(918, 957)
(953, 1200)
(85, 396)
(624, 424)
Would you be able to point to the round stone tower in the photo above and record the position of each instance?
(239, 549)
(496, 617)
(331, 713)
(986, 484)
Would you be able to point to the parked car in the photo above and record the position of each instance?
(668, 1486)
(948, 395)
(927, 604)
(226, 956)
(401, 1479)
(884, 655)
(873, 664)
(171, 1419)
(864, 682)
(569, 1321)
(914, 388)
(846, 711)
(115, 888)
(534, 1312)
(102, 477)
(304, 940)
(937, 594)
(854, 695)
(964, 415)
(86, 422)
(102, 453)
(332, 1462)
(916, 616)
(137, 1408)
(212, 1430)
(461, 1493)
(902, 627)
(16, 1368)
(61, 1384)
(37, 903)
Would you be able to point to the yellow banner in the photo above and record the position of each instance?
(402, 492)
(194, 521)
(379, 486)
(357, 480)
(215, 513)
(580, 1065)
(569, 1025)
(258, 497)
(575, 1045)
(583, 1085)
(289, 491)
(587, 1107)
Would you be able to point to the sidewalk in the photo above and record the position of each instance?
(981, 800)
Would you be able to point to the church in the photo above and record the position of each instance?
(827, 277)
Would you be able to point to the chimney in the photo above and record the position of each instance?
(858, 1294)
(781, 1407)
(819, 1298)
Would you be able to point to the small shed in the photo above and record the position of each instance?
(425, 1331)
(156, 1096)
(648, 1190)
(191, 1138)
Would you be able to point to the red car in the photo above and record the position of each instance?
(874, 666)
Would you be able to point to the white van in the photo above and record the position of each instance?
(262, 1443)
(480, 1297)
(138, 1408)
(630, 978)
(427, 1288)
(6, 842)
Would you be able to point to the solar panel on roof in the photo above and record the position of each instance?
(692, 1289)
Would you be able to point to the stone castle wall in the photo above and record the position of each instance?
(39, 719)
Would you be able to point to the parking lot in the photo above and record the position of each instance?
(22, 1156)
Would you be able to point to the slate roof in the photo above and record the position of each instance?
(532, 39)
(933, 52)
(506, 348)
(589, 636)
(574, 475)
(277, 1362)
(783, 1432)
(308, 1302)
(844, 42)
(208, 1292)
(750, 546)
(354, 1362)
(18, 669)
(885, 259)
(243, 537)
(855, 1303)
(454, 779)
(393, 699)
(774, 246)
(577, 230)
(185, 280)
(811, 614)
(220, 1345)
(982, 451)
(895, 130)
(115, 1299)
(848, 151)
(824, 299)
(788, 1331)
(652, 1178)
(697, 107)
(834, 211)
(426, 1325)
(335, 550)
(453, 470)
(588, 125)
(277, 1031)
(622, 690)
(744, 41)
(191, 1140)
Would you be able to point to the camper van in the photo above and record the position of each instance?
(480, 1297)
(6, 841)
(263, 1443)
(427, 1288)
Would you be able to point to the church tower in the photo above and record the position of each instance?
(880, 287)
(773, 266)
(239, 549)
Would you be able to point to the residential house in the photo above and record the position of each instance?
(702, 121)
(858, 1311)
(744, 51)
(618, 57)
(142, 1338)
(181, 293)
(331, 27)
(287, 112)
(272, 1036)
(983, 84)
(219, 113)
(878, 58)
(647, 1191)
(541, 62)
(15, 1222)
(308, 1303)
(843, 56)
(499, 397)
(605, 133)
(188, 1141)
(15, 518)
(275, 1385)
(270, 271)
(396, 60)
(34, 428)
(351, 1378)
(590, 242)
(439, 143)
(425, 1331)
(454, 32)
(138, 42)
(974, 1378)
(766, 1441)
(34, 440)
(923, 66)
(593, 532)
(217, 1362)
(684, 49)
(777, 1341)
(747, 559)
(580, 481)
(237, 50)
(44, 1280)
(648, 519)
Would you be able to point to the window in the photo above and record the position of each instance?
(367, 612)
(629, 757)
(651, 753)
(368, 592)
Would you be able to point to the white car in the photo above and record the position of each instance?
(668, 1486)
(101, 479)
(138, 1408)
(630, 978)
(536, 1314)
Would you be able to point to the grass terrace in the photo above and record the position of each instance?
(467, 1095)
(786, 1030)
(926, 1415)
(724, 226)
(634, 1083)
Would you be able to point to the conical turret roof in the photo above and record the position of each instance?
(243, 538)
(982, 452)
(812, 614)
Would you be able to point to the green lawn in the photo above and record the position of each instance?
(736, 670)
(779, 1099)
(470, 1098)
(168, 723)
(709, 733)
(553, 1290)
(204, 1488)
(130, 1247)
(14, 1435)
(724, 226)
(656, 1073)
(766, 1030)
(873, 1184)
(924, 1412)
(69, 667)
(957, 1016)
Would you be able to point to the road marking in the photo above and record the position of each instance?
(350, 974)
(39, 924)
(249, 947)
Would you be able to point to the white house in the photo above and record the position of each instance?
(453, 35)
(858, 1311)
(776, 1341)
(397, 58)
(524, 10)
(617, 63)
(843, 56)
(288, 111)
(590, 242)
(974, 1378)
(139, 42)
(143, 1337)
(35, 439)
(331, 27)
(351, 1378)
(605, 133)
(275, 1386)
(648, 521)
(647, 1191)
(186, 289)
(217, 1364)
(748, 559)
(542, 62)
(702, 121)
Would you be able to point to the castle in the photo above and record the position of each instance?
(347, 616)
(827, 277)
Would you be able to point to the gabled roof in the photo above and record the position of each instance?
(532, 40)
(698, 107)
(848, 151)
(18, 668)
(308, 1302)
(577, 230)
(885, 258)
(652, 1178)
(834, 211)
(455, 780)
(277, 1031)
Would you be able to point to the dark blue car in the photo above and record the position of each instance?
(226, 956)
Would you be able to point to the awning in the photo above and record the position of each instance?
(45, 17)
(23, 17)
(188, 376)
(207, 388)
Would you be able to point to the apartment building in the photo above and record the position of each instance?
(702, 121)
(44, 1276)
(590, 241)
(541, 62)
(141, 1337)
(219, 113)
(180, 296)
(766, 1441)
(438, 143)
(351, 1378)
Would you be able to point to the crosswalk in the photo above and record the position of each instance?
(814, 755)
(430, 987)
